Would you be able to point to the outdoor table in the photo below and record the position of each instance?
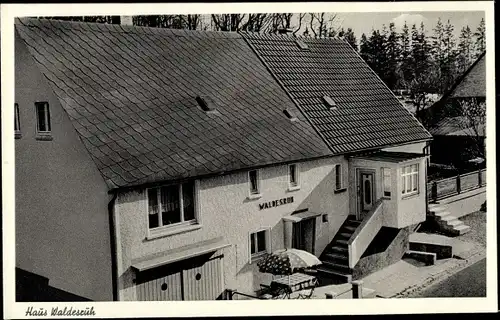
(292, 283)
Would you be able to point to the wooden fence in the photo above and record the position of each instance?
(448, 187)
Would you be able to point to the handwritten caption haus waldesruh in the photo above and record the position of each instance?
(275, 203)
(56, 311)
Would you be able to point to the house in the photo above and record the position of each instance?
(458, 137)
(156, 164)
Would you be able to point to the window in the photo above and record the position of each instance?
(386, 177)
(293, 174)
(409, 181)
(290, 114)
(171, 205)
(330, 103)
(206, 104)
(17, 121)
(43, 117)
(259, 243)
(338, 177)
(253, 177)
(302, 45)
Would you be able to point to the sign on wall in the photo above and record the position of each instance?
(275, 203)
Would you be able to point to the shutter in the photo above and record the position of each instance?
(249, 248)
(268, 240)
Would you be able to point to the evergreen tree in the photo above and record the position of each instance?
(365, 49)
(405, 68)
(350, 38)
(448, 73)
(465, 50)
(378, 63)
(393, 55)
(480, 39)
(423, 81)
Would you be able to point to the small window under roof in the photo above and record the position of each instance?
(206, 104)
(290, 114)
(329, 102)
(302, 45)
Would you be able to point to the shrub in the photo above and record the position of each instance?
(483, 207)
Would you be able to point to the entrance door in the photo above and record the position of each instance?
(304, 233)
(366, 192)
(197, 278)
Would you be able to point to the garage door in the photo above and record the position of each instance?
(198, 278)
(203, 280)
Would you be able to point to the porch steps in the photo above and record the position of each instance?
(335, 258)
(446, 222)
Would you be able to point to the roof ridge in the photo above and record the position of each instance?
(28, 21)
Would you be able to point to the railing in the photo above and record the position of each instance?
(364, 234)
(229, 294)
(448, 187)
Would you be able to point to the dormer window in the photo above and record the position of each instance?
(206, 104)
(302, 45)
(329, 102)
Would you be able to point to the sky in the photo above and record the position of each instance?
(363, 22)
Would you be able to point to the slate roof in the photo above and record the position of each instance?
(443, 116)
(130, 94)
(368, 115)
(473, 82)
(455, 126)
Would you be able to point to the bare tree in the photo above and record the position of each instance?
(301, 20)
(323, 25)
(227, 22)
(255, 22)
(473, 124)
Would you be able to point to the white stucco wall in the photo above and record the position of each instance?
(226, 211)
(399, 212)
(62, 221)
(412, 209)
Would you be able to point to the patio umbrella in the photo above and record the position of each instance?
(287, 261)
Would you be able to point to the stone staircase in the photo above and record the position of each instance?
(335, 258)
(446, 222)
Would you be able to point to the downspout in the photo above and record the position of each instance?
(426, 152)
(114, 245)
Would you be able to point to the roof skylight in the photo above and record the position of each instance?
(329, 102)
(206, 104)
(290, 114)
(302, 45)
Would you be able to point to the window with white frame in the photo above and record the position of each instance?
(338, 177)
(171, 205)
(293, 174)
(43, 117)
(17, 121)
(386, 177)
(409, 180)
(259, 243)
(253, 179)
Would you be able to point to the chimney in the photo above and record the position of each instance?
(285, 31)
(126, 21)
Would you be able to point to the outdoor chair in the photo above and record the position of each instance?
(307, 293)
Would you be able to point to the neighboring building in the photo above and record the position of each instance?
(456, 141)
(156, 164)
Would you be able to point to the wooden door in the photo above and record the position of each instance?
(160, 284)
(202, 279)
(366, 192)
